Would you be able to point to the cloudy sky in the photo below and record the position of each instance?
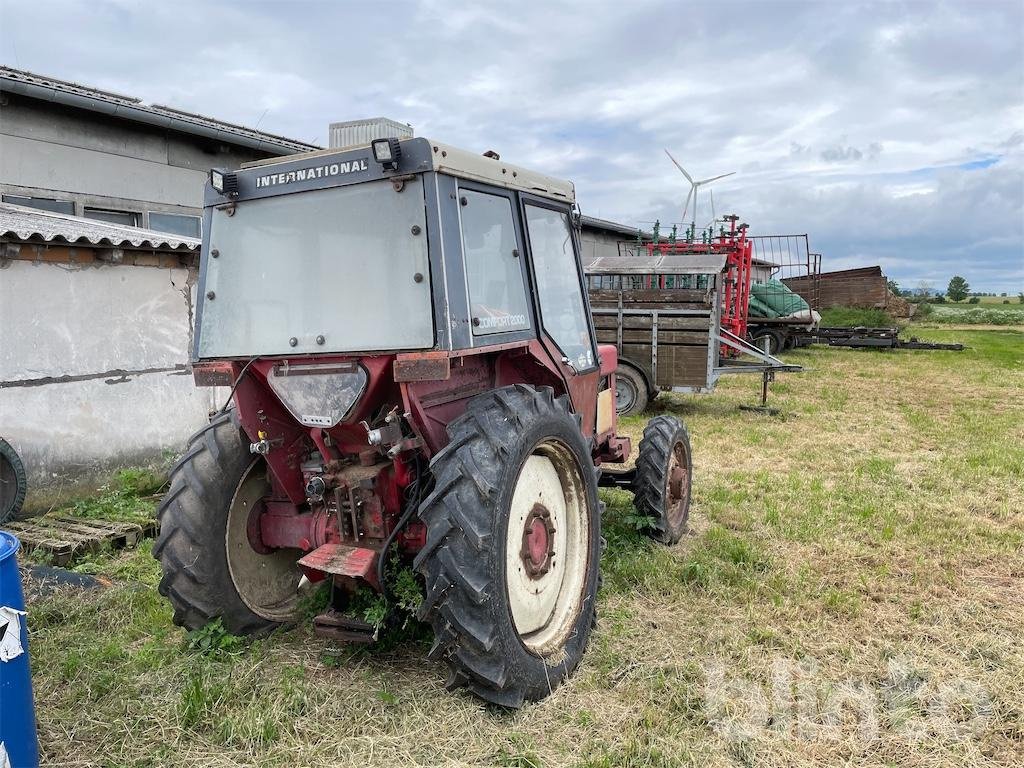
(892, 133)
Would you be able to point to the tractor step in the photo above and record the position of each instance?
(343, 560)
(347, 629)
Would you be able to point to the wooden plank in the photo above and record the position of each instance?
(662, 298)
(653, 306)
(66, 538)
(45, 527)
(698, 338)
(666, 322)
(682, 366)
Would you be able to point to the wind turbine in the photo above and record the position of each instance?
(694, 188)
(711, 193)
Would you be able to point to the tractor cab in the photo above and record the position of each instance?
(402, 248)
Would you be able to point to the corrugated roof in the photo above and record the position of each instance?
(29, 224)
(591, 222)
(129, 108)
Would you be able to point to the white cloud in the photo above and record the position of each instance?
(845, 120)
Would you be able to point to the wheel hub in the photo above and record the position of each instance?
(676, 478)
(624, 394)
(675, 483)
(538, 542)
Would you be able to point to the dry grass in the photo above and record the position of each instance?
(850, 593)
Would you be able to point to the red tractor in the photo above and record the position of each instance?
(415, 379)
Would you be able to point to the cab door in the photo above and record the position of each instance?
(565, 327)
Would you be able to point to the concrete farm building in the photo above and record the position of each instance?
(99, 220)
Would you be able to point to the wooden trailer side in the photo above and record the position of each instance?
(667, 334)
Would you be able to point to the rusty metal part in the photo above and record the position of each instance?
(216, 374)
(423, 366)
(677, 486)
(347, 629)
(538, 542)
(344, 560)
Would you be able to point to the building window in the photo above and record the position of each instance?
(42, 203)
(176, 224)
(130, 218)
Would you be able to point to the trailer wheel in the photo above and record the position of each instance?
(630, 391)
(13, 482)
(776, 340)
(513, 546)
(663, 475)
(209, 568)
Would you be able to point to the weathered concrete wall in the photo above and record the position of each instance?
(94, 368)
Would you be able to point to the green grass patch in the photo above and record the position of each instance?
(130, 496)
(844, 316)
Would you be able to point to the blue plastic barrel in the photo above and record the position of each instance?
(17, 714)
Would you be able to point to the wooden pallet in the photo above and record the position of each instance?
(66, 538)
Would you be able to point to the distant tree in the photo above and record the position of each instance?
(974, 300)
(1020, 298)
(939, 298)
(1003, 294)
(924, 288)
(894, 287)
(957, 289)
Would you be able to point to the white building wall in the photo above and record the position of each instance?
(94, 368)
(58, 168)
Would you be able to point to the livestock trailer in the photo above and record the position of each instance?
(663, 312)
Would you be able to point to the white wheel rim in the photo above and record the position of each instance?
(268, 584)
(545, 603)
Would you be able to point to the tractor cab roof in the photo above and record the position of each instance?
(453, 161)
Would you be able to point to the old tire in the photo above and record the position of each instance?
(630, 391)
(511, 606)
(664, 471)
(13, 482)
(209, 569)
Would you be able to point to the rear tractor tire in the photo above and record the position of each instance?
(664, 471)
(210, 569)
(630, 391)
(513, 546)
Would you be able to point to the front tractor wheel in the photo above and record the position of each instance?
(663, 473)
(210, 569)
(513, 546)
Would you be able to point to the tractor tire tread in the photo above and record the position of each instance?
(658, 438)
(459, 593)
(199, 588)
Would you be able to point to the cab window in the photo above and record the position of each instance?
(497, 294)
(562, 310)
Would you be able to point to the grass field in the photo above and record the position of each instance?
(851, 593)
